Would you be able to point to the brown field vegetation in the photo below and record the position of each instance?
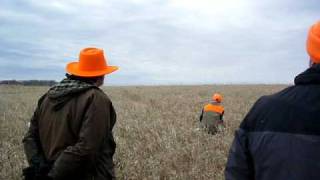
(157, 131)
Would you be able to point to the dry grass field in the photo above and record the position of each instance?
(156, 132)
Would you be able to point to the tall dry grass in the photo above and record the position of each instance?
(157, 131)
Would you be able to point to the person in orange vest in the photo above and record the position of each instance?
(211, 117)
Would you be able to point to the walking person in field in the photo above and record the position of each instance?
(280, 137)
(70, 134)
(211, 117)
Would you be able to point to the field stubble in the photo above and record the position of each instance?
(156, 132)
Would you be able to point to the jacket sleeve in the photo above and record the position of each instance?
(239, 165)
(80, 156)
(31, 140)
(221, 116)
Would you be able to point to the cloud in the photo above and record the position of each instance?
(159, 42)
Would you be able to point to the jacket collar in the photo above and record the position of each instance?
(310, 76)
(68, 86)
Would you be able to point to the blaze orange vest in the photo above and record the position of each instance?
(213, 108)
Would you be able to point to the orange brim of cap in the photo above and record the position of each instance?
(73, 68)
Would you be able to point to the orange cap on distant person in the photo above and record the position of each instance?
(92, 63)
(313, 43)
(217, 97)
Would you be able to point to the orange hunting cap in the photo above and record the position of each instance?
(217, 97)
(313, 43)
(91, 63)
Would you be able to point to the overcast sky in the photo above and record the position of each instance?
(159, 41)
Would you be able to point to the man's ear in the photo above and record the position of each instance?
(311, 63)
(100, 81)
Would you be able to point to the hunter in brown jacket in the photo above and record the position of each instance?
(70, 134)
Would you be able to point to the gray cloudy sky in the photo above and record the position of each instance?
(159, 41)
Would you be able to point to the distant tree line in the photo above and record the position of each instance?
(29, 82)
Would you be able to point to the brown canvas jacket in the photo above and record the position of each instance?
(74, 131)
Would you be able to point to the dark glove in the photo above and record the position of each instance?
(45, 177)
(29, 173)
(38, 170)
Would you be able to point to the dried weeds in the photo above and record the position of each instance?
(157, 131)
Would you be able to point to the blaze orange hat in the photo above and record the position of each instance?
(313, 43)
(217, 97)
(91, 63)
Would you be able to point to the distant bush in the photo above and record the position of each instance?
(29, 82)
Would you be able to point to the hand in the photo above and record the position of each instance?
(46, 177)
